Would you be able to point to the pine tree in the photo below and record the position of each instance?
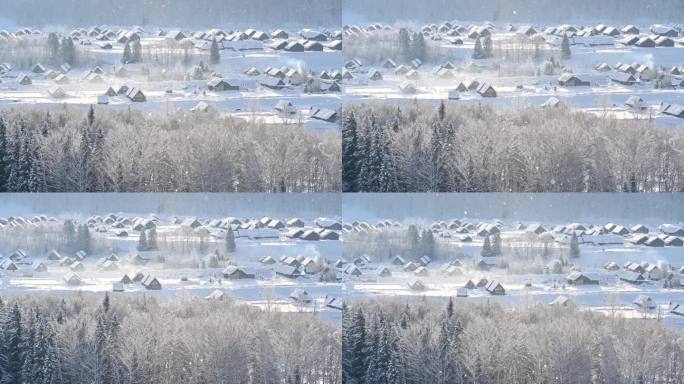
(471, 177)
(373, 360)
(404, 44)
(47, 366)
(346, 324)
(214, 54)
(230, 241)
(427, 243)
(496, 244)
(349, 153)
(487, 49)
(438, 182)
(574, 246)
(37, 176)
(477, 50)
(53, 49)
(84, 154)
(136, 51)
(395, 373)
(4, 155)
(152, 239)
(83, 238)
(354, 352)
(96, 179)
(26, 162)
(446, 370)
(105, 303)
(486, 248)
(51, 371)
(135, 373)
(565, 48)
(13, 360)
(296, 378)
(365, 166)
(127, 54)
(450, 308)
(14, 166)
(69, 235)
(30, 348)
(441, 111)
(413, 239)
(388, 180)
(90, 116)
(418, 46)
(142, 241)
(68, 51)
(113, 367)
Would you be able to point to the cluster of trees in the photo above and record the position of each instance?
(401, 45)
(410, 242)
(476, 148)
(214, 53)
(23, 53)
(199, 13)
(483, 48)
(60, 51)
(565, 47)
(75, 237)
(123, 340)
(519, 11)
(183, 248)
(391, 341)
(530, 254)
(491, 248)
(128, 150)
(132, 52)
(513, 55)
(147, 241)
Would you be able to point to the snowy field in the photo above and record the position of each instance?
(190, 259)
(169, 77)
(534, 265)
(519, 78)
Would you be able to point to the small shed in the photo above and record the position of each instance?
(136, 95)
(152, 283)
(495, 288)
(235, 273)
(219, 84)
(579, 278)
(416, 285)
(644, 302)
(572, 80)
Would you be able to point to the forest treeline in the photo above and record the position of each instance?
(69, 150)
(520, 11)
(422, 341)
(178, 13)
(127, 340)
(416, 147)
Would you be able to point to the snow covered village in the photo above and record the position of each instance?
(341, 191)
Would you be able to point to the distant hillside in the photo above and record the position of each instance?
(534, 11)
(182, 13)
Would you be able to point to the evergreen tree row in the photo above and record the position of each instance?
(65, 150)
(123, 340)
(465, 148)
(419, 341)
